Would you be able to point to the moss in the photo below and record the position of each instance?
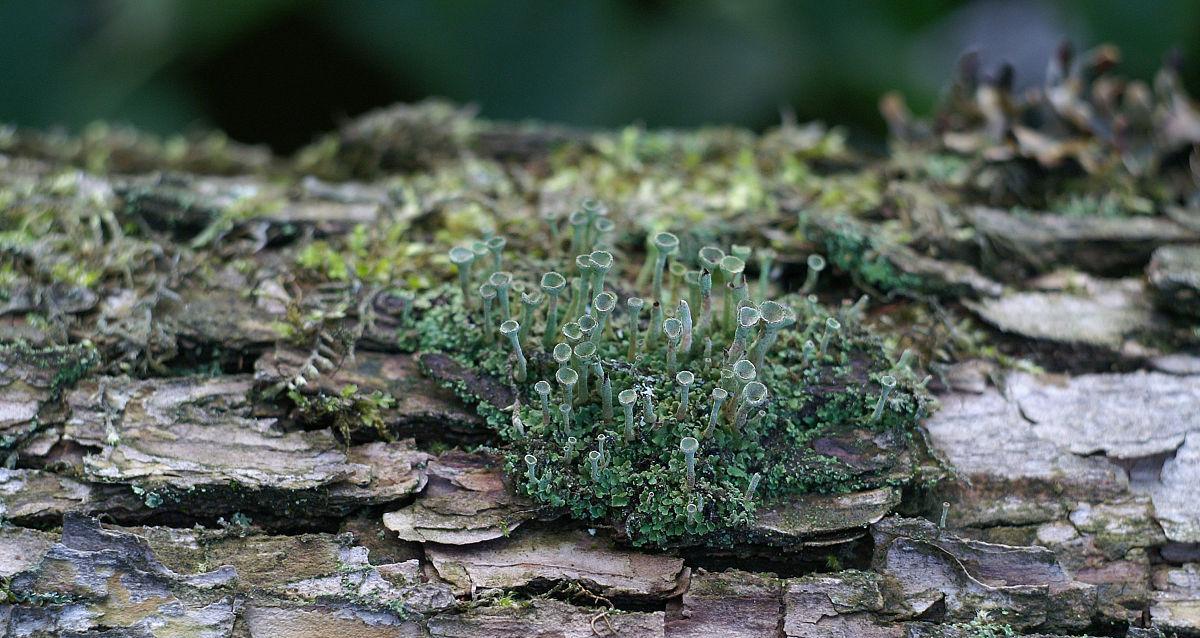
(982, 626)
(70, 363)
(852, 250)
(372, 255)
(347, 412)
(10, 595)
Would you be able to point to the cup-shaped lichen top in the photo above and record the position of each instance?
(572, 331)
(673, 328)
(510, 329)
(531, 300)
(832, 326)
(587, 325)
(748, 317)
(585, 351)
(501, 280)
(496, 246)
(567, 378)
(604, 302)
(755, 393)
(602, 262)
(480, 249)
(744, 372)
(603, 226)
(886, 383)
(594, 458)
(583, 264)
(776, 315)
(462, 258)
(816, 264)
(553, 283)
(562, 354)
(710, 258)
(666, 243)
(731, 267)
(684, 379)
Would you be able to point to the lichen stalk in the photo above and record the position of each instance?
(627, 398)
(543, 390)
(511, 330)
(688, 445)
(633, 307)
(684, 313)
(719, 395)
(831, 327)
(816, 264)
(684, 380)
(887, 382)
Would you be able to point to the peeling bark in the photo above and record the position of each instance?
(465, 502)
(1096, 244)
(529, 557)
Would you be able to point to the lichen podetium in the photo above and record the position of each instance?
(628, 468)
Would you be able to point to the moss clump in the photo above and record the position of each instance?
(571, 449)
(852, 250)
(347, 412)
(70, 363)
(982, 626)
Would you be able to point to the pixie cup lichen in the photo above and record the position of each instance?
(751, 397)
(719, 395)
(495, 246)
(531, 467)
(543, 390)
(775, 317)
(567, 378)
(502, 282)
(816, 264)
(688, 445)
(886, 383)
(552, 284)
(511, 330)
(666, 243)
(684, 379)
(462, 258)
(832, 326)
(720, 400)
(633, 306)
(627, 399)
(487, 292)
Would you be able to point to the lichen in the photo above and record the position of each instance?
(637, 481)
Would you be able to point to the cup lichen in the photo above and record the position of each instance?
(769, 390)
(816, 264)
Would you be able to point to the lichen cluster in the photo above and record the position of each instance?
(671, 417)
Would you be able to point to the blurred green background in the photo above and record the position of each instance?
(282, 71)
